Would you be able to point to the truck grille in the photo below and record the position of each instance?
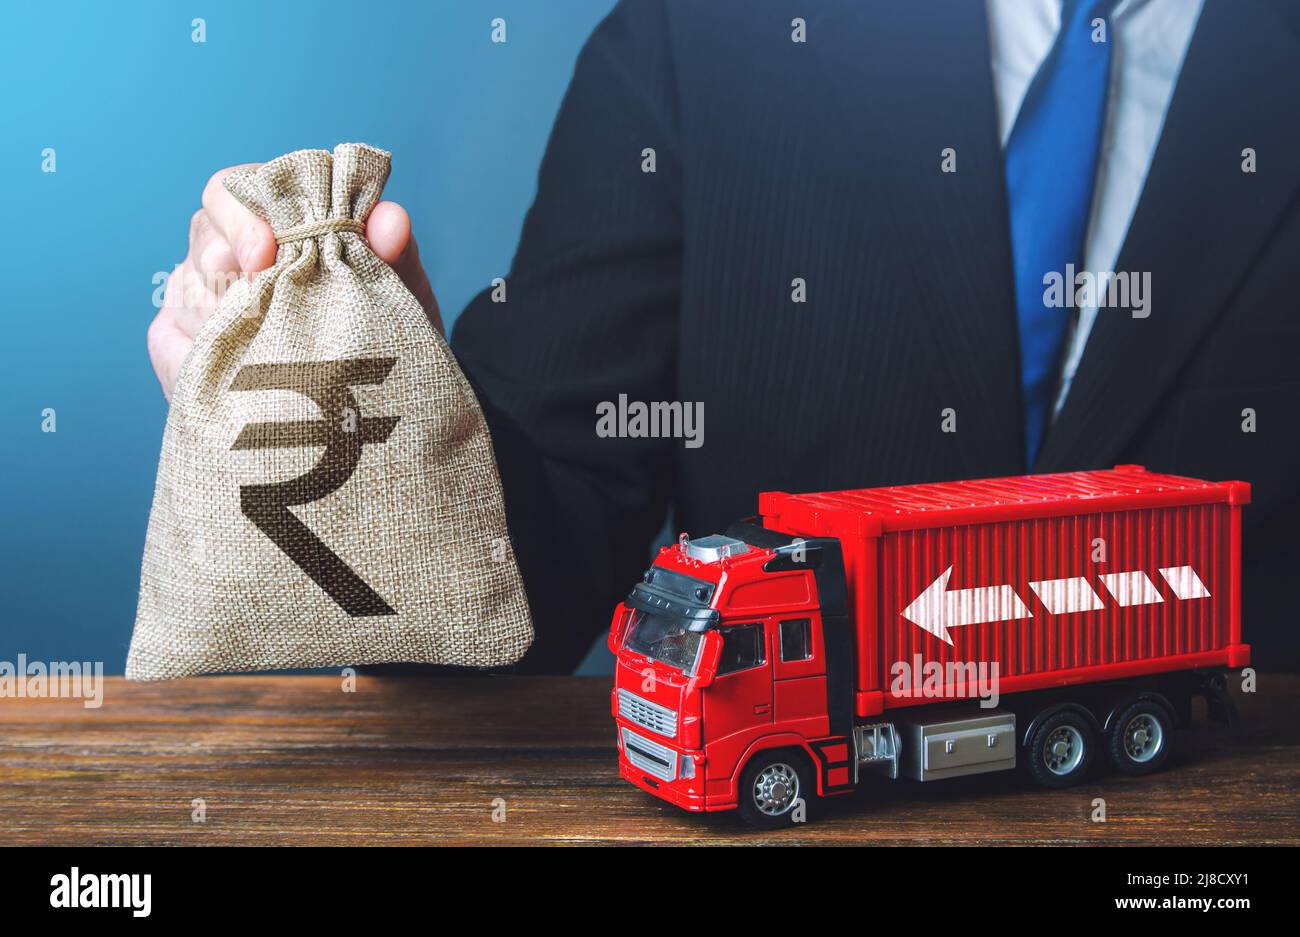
(648, 715)
(654, 759)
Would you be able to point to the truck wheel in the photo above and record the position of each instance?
(1060, 751)
(1139, 738)
(772, 785)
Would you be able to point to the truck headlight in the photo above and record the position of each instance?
(687, 769)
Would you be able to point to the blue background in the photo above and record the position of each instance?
(140, 116)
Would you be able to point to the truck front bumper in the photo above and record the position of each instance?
(668, 772)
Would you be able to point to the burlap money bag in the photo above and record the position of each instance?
(327, 493)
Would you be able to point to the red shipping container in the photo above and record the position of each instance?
(1058, 579)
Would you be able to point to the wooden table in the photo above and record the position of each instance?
(406, 760)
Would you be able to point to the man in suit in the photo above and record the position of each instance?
(834, 224)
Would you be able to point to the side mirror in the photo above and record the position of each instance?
(616, 627)
(710, 653)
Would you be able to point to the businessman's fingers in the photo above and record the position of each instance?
(248, 237)
(186, 298)
(389, 232)
(168, 345)
(228, 241)
(388, 229)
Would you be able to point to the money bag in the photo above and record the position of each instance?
(327, 493)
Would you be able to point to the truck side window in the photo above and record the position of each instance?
(796, 639)
(742, 648)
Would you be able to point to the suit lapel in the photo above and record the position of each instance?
(909, 81)
(1199, 223)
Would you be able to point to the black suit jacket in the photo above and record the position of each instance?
(821, 160)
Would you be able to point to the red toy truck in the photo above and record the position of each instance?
(926, 632)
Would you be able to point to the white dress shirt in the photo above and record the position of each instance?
(1150, 40)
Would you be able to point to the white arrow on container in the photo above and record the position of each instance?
(937, 609)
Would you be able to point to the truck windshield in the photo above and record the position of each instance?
(665, 639)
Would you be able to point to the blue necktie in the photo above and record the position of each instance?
(1051, 162)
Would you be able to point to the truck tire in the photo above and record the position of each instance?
(772, 785)
(1060, 750)
(1139, 738)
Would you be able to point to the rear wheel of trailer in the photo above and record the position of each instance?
(1139, 738)
(1061, 748)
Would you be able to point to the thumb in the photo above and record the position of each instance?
(388, 229)
(389, 232)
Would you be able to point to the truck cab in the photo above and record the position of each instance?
(721, 654)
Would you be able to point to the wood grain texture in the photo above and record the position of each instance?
(408, 760)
